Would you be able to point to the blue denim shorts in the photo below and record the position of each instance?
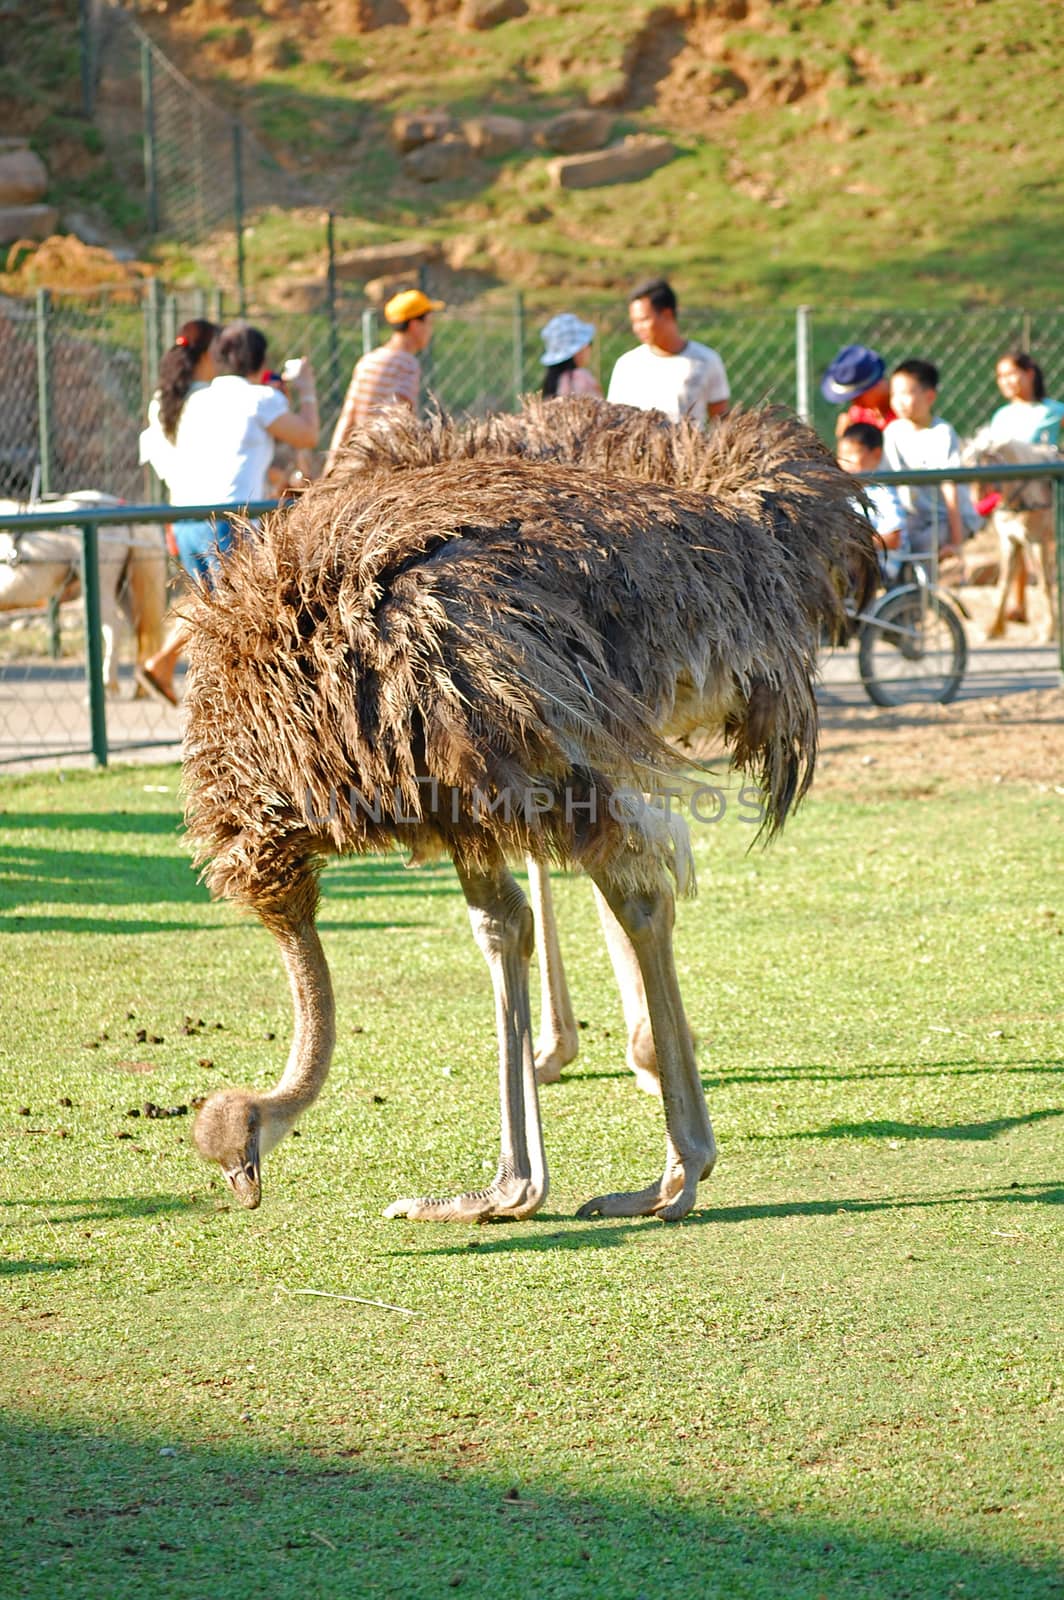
(200, 545)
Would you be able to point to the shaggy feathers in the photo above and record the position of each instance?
(460, 614)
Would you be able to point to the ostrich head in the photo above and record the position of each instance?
(228, 1129)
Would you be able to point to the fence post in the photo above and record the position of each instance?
(217, 308)
(803, 349)
(152, 359)
(1058, 508)
(44, 389)
(333, 386)
(90, 589)
(428, 365)
(169, 320)
(369, 330)
(147, 92)
(519, 346)
(88, 72)
(238, 210)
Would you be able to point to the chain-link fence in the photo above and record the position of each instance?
(193, 164)
(77, 373)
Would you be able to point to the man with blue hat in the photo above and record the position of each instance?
(857, 379)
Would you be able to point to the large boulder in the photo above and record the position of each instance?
(384, 260)
(633, 158)
(27, 222)
(495, 136)
(479, 15)
(412, 129)
(573, 131)
(23, 175)
(445, 161)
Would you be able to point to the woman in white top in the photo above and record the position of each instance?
(187, 366)
(220, 456)
(566, 356)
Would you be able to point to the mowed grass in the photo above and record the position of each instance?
(839, 1377)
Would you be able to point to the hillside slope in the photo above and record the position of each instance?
(848, 151)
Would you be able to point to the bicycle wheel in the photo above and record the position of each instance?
(913, 647)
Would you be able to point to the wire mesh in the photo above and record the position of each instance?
(193, 164)
(77, 372)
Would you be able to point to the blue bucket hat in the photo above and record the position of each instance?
(852, 371)
(563, 336)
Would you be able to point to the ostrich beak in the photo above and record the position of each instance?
(245, 1180)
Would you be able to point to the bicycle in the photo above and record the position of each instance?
(911, 641)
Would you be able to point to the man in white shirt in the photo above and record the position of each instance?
(668, 372)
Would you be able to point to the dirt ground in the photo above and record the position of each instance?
(1012, 738)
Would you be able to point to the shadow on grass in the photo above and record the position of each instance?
(92, 1513)
(20, 1269)
(110, 1208)
(770, 1075)
(593, 1235)
(914, 1130)
(34, 874)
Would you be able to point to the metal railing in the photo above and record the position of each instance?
(91, 521)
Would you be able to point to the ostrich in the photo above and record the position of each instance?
(760, 461)
(484, 655)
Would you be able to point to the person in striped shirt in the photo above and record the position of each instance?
(389, 375)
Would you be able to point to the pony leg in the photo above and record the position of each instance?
(147, 591)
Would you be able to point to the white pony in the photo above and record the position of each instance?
(39, 566)
(1023, 520)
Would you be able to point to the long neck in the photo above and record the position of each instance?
(315, 1029)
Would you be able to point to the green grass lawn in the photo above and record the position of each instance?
(839, 1377)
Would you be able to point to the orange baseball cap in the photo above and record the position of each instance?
(410, 303)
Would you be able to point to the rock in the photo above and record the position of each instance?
(379, 291)
(274, 52)
(23, 175)
(444, 161)
(233, 45)
(495, 136)
(365, 16)
(87, 229)
(411, 129)
(633, 158)
(298, 294)
(573, 131)
(27, 222)
(379, 260)
(478, 15)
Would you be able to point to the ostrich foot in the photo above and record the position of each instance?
(505, 1199)
(670, 1199)
(553, 1055)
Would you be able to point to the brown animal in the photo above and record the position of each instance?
(485, 656)
(1023, 522)
(750, 463)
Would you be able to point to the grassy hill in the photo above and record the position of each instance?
(832, 151)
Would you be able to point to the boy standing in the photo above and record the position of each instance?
(918, 440)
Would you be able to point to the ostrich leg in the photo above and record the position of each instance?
(502, 927)
(641, 1057)
(558, 1042)
(646, 918)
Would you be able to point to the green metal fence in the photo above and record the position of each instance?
(56, 711)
